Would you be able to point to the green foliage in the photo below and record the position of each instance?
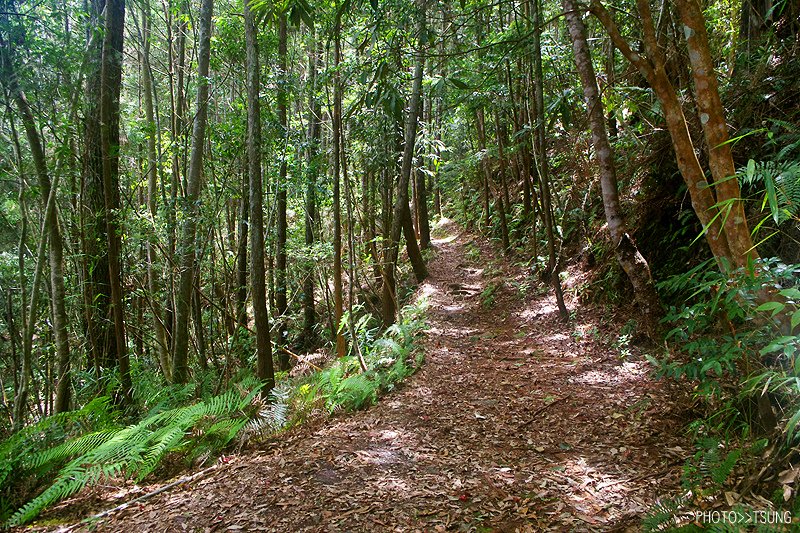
(344, 386)
(663, 515)
(715, 329)
(737, 348)
(488, 294)
(89, 454)
(781, 186)
(708, 470)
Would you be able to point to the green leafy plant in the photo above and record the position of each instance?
(781, 183)
(344, 385)
(132, 451)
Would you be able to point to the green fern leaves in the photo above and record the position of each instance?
(133, 451)
(70, 451)
(781, 182)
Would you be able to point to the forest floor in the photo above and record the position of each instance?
(515, 422)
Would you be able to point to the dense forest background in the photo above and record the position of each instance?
(198, 197)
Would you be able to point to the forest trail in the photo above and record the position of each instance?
(514, 423)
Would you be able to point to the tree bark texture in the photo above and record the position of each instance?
(186, 244)
(628, 256)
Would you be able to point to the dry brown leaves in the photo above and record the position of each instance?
(512, 424)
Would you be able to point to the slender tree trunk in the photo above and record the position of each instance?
(628, 256)
(258, 289)
(153, 267)
(715, 130)
(487, 176)
(187, 244)
(314, 134)
(422, 194)
(540, 148)
(56, 248)
(264, 369)
(706, 205)
(29, 324)
(388, 300)
(280, 259)
(504, 201)
(402, 213)
(241, 252)
(338, 300)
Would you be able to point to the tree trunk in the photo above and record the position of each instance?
(338, 300)
(715, 130)
(280, 259)
(241, 251)
(388, 297)
(264, 369)
(153, 268)
(187, 244)
(704, 202)
(540, 149)
(56, 249)
(480, 124)
(314, 134)
(422, 211)
(504, 201)
(401, 218)
(97, 285)
(628, 256)
(110, 88)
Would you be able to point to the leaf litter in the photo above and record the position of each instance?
(512, 424)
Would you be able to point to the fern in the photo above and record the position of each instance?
(136, 450)
(781, 182)
(272, 417)
(663, 515)
(355, 392)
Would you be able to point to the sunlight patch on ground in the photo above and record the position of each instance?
(458, 333)
(445, 240)
(626, 372)
(595, 494)
(557, 337)
(427, 289)
(544, 309)
(395, 484)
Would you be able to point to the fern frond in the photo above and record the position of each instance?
(136, 450)
(781, 182)
(663, 515)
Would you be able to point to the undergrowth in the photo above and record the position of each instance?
(736, 338)
(60, 455)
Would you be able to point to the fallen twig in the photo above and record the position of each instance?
(301, 360)
(541, 410)
(147, 496)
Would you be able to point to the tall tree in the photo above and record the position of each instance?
(628, 256)
(56, 245)
(258, 288)
(716, 203)
(152, 172)
(101, 338)
(338, 299)
(401, 218)
(542, 165)
(280, 260)
(110, 90)
(194, 183)
(312, 176)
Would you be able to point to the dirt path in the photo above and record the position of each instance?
(516, 422)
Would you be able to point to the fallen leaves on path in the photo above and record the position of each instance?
(513, 423)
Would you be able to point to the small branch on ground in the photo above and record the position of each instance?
(541, 410)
